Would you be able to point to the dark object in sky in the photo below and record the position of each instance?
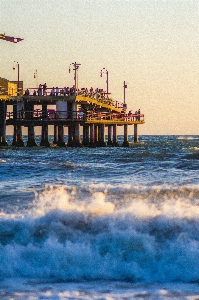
(10, 38)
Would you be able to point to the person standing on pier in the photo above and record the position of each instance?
(64, 91)
(44, 89)
(39, 90)
(139, 114)
(52, 92)
(27, 93)
(57, 91)
(91, 92)
(136, 117)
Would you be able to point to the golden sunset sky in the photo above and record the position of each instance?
(151, 44)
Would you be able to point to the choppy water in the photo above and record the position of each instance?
(101, 223)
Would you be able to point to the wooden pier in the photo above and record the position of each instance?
(96, 114)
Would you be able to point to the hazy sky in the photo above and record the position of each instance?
(151, 44)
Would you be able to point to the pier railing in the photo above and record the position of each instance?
(115, 116)
(51, 114)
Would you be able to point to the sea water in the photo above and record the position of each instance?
(101, 223)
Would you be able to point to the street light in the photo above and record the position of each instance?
(125, 86)
(106, 72)
(75, 68)
(36, 76)
(14, 66)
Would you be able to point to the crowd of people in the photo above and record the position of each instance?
(66, 91)
(133, 116)
(97, 93)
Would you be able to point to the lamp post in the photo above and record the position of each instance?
(125, 86)
(36, 76)
(17, 64)
(75, 68)
(106, 72)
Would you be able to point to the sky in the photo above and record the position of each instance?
(153, 45)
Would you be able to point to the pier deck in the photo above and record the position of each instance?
(90, 112)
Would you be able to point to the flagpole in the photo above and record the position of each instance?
(107, 83)
(101, 72)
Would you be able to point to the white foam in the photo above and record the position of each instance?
(59, 198)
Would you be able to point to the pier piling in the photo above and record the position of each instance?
(101, 136)
(125, 143)
(3, 109)
(44, 135)
(115, 137)
(92, 136)
(135, 133)
(31, 135)
(55, 134)
(86, 135)
(60, 141)
(110, 130)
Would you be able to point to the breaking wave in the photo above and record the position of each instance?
(102, 232)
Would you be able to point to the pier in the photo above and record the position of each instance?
(95, 114)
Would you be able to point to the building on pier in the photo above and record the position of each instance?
(9, 88)
(94, 112)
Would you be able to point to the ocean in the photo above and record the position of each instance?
(100, 223)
